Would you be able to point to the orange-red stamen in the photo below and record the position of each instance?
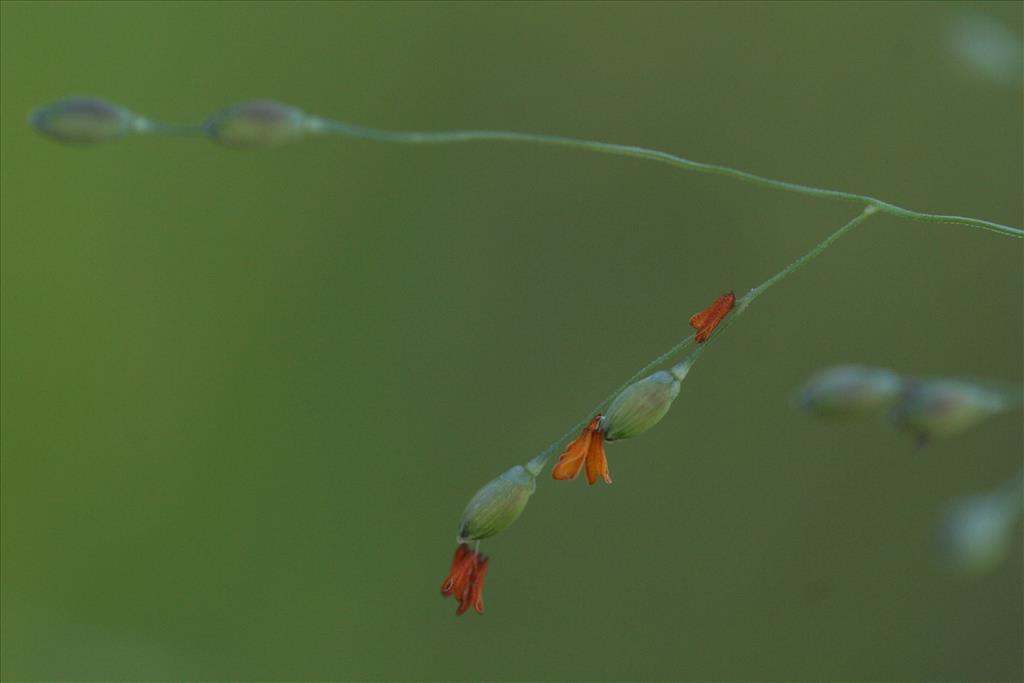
(587, 448)
(465, 580)
(476, 589)
(459, 576)
(571, 461)
(597, 461)
(707, 320)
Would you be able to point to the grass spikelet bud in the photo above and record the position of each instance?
(977, 531)
(83, 120)
(641, 405)
(260, 123)
(849, 389)
(941, 407)
(497, 505)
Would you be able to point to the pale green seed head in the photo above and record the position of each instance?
(83, 120)
(640, 406)
(849, 390)
(977, 532)
(941, 407)
(497, 505)
(260, 123)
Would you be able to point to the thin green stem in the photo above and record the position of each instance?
(537, 464)
(144, 126)
(444, 137)
(805, 259)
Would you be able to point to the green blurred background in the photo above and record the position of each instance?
(246, 395)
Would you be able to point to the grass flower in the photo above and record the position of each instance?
(499, 503)
(588, 449)
(640, 406)
(943, 407)
(260, 123)
(977, 531)
(634, 410)
(848, 390)
(465, 580)
(707, 320)
(83, 120)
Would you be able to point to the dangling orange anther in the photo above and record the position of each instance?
(587, 448)
(707, 320)
(465, 581)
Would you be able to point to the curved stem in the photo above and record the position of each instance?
(536, 465)
(320, 125)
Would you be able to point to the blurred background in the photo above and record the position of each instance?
(246, 396)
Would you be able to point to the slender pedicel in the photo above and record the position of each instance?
(320, 125)
(445, 137)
